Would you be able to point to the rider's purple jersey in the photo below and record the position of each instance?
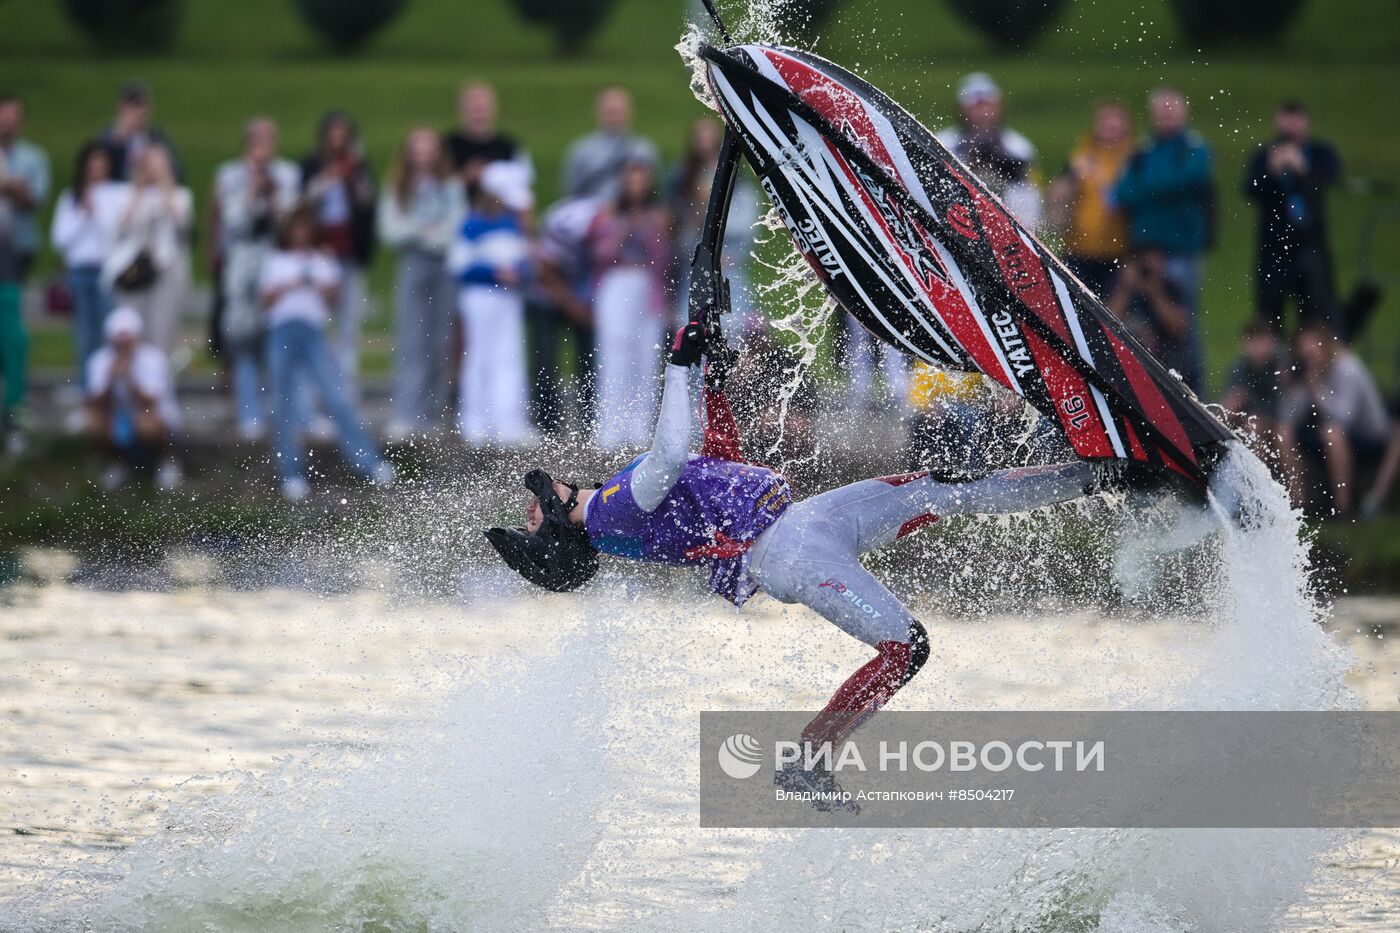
(711, 516)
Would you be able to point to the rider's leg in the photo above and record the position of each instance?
(811, 556)
(807, 561)
(881, 510)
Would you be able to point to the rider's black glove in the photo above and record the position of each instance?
(689, 345)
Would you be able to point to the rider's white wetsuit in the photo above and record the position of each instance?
(804, 552)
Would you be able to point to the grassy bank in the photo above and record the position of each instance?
(235, 60)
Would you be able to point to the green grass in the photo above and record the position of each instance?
(234, 60)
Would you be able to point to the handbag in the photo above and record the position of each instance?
(139, 274)
(58, 297)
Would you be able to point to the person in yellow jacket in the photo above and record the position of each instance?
(1095, 232)
(964, 425)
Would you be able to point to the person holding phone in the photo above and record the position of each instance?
(299, 286)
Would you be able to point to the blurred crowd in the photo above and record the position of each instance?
(513, 320)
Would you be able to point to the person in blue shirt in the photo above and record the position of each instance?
(1167, 193)
(24, 183)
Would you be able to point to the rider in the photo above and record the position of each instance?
(739, 519)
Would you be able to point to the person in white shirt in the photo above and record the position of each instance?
(491, 261)
(1001, 157)
(131, 409)
(299, 285)
(251, 195)
(84, 226)
(629, 255)
(149, 265)
(1333, 413)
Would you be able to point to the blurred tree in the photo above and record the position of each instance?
(345, 25)
(128, 25)
(1211, 22)
(805, 17)
(573, 22)
(1010, 24)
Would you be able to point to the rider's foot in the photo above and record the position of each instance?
(1123, 476)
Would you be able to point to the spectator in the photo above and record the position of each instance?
(1253, 389)
(491, 260)
(149, 265)
(24, 182)
(1253, 384)
(14, 341)
(593, 164)
(1167, 193)
(24, 185)
(1288, 181)
(251, 195)
(298, 285)
(1001, 157)
(964, 425)
(476, 142)
(863, 355)
(559, 310)
(1385, 475)
(630, 248)
(84, 226)
(1154, 307)
(1333, 412)
(338, 182)
(690, 196)
(786, 433)
(1095, 233)
(419, 214)
(130, 133)
(131, 409)
(949, 432)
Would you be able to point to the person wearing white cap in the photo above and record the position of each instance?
(490, 260)
(131, 407)
(1000, 156)
(299, 285)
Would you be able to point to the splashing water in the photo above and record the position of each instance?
(559, 791)
(467, 814)
(1261, 648)
(788, 282)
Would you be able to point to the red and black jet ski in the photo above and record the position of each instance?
(916, 247)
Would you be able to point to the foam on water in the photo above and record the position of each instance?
(475, 816)
(1263, 649)
(492, 812)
